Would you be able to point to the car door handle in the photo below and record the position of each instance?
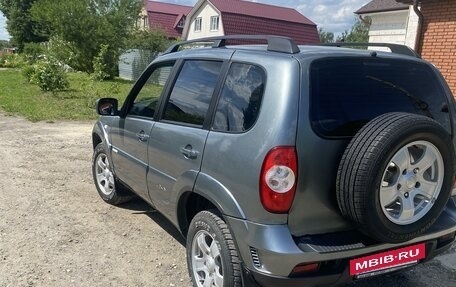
(142, 136)
(188, 152)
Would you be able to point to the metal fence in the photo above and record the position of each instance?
(133, 62)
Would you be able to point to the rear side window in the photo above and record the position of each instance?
(192, 92)
(240, 99)
(346, 93)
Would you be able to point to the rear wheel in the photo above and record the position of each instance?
(212, 258)
(108, 187)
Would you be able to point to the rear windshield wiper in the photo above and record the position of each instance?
(422, 105)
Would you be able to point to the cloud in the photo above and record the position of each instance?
(3, 33)
(332, 15)
(320, 8)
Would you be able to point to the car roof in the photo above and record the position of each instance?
(284, 45)
(306, 52)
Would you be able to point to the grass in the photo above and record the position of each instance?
(18, 97)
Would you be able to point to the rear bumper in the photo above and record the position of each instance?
(269, 252)
(254, 278)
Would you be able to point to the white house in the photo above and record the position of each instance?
(205, 21)
(230, 17)
(392, 22)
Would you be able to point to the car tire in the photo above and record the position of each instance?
(211, 252)
(110, 189)
(395, 176)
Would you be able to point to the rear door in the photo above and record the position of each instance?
(130, 135)
(177, 142)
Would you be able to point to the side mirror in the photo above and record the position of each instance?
(107, 107)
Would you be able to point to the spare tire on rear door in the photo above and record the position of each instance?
(395, 176)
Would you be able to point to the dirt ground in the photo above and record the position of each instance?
(55, 231)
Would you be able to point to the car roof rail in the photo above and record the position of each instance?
(275, 43)
(395, 48)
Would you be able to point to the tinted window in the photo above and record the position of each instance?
(146, 101)
(192, 93)
(347, 93)
(240, 99)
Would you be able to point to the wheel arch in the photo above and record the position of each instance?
(96, 140)
(100, 134)
(189, 205)
(207, 193)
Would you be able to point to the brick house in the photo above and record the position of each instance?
(229, 17)
(437, 36)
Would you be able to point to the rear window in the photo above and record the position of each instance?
(240, 100)
(346, 93)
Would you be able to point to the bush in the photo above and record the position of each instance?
(34, 51)
(11, 61)
(61, 51)
(28, 72)
(48, 74)
(105, 63)
(153, 39)
(100, 64)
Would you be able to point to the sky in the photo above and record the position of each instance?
(3, 33)
(332, 15)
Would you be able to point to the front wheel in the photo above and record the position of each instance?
(212, 258)
(108, 187)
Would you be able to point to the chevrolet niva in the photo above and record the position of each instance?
(286, 165)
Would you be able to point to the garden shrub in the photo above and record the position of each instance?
(28, 71)
(11, 61)
(34, 51)
(61, 51)
(105, 64)
(100, 72)
(49, 75)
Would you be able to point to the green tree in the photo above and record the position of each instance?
(20, 25)
(5, 44)
(153, 39)
(325, 37)
(85, 27)
(359, 32)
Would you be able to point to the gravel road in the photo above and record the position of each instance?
(55, 231)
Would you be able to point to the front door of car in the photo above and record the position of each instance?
(131, 134)
(177, 141)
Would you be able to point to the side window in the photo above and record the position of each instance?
(146, 101)
(192, 93)
(240, 100)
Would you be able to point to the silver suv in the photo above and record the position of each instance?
(286, 165)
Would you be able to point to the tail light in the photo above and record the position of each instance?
(278, 179)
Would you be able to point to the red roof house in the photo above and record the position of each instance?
(169, 17)
(231, 17)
